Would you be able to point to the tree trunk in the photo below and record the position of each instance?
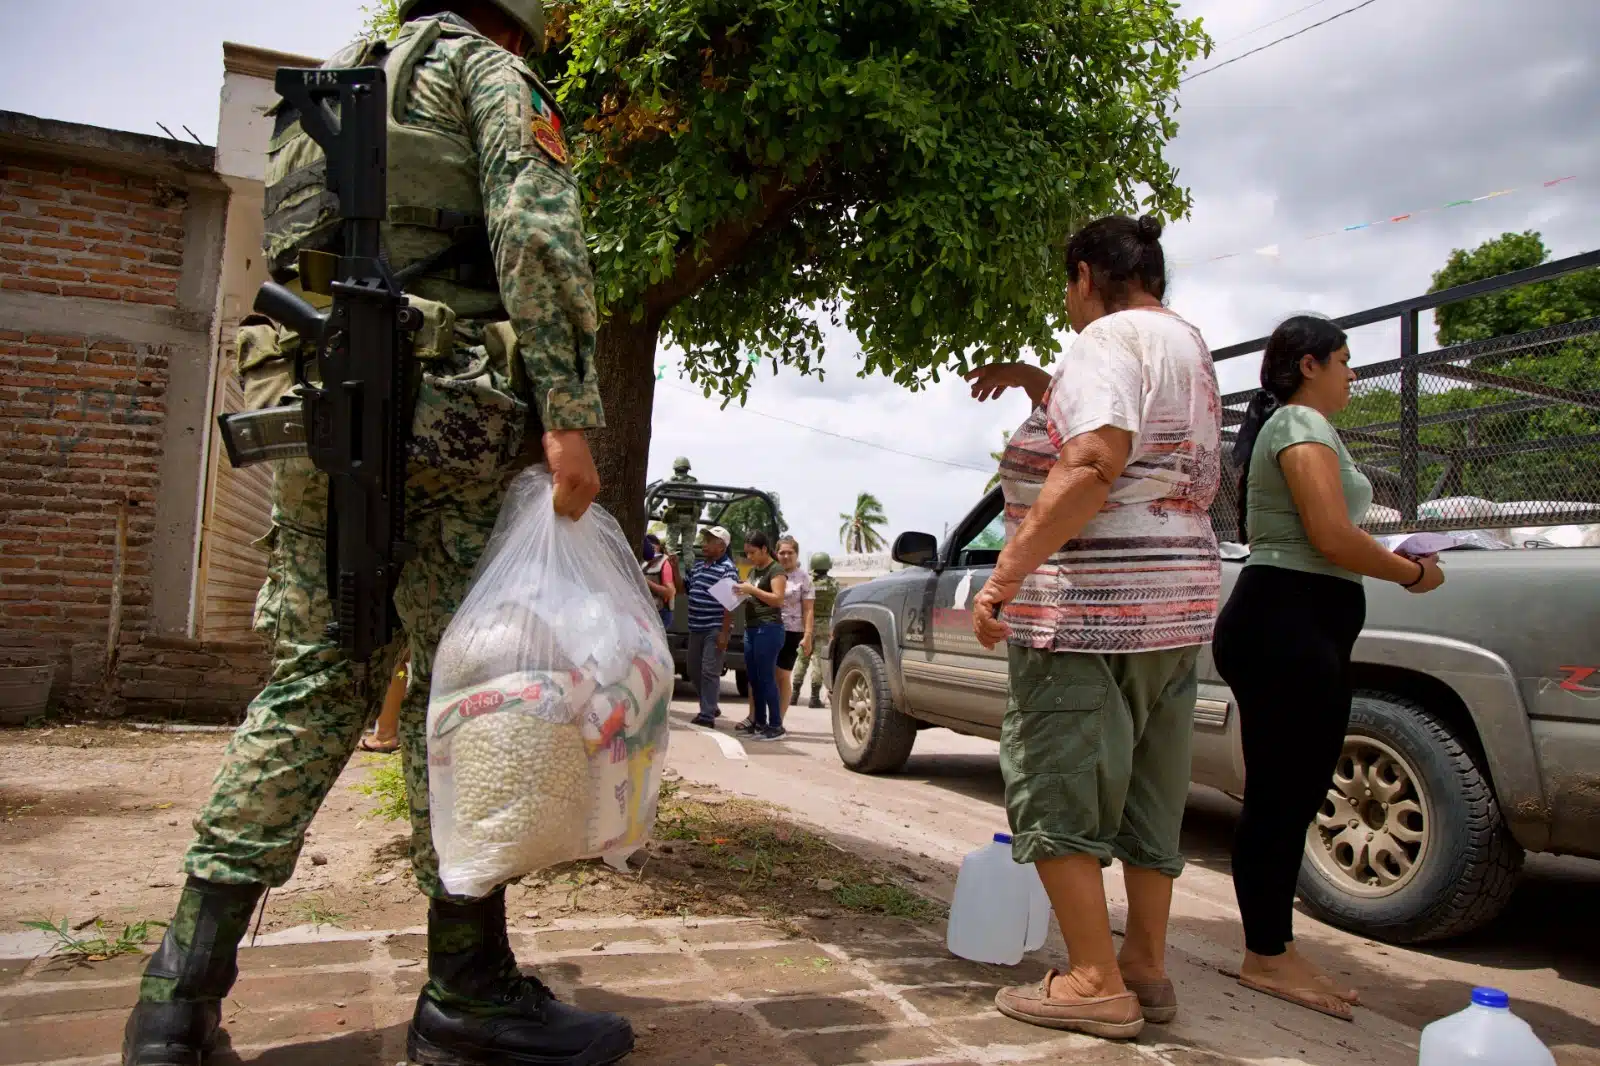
(625, 353)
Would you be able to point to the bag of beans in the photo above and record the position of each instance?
(547, 720)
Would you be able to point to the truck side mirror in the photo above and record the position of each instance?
(916, 549)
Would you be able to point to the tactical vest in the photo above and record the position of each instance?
(435, 237)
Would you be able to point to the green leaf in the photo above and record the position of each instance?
(741, 190)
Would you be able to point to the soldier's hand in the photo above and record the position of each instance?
(572, 470)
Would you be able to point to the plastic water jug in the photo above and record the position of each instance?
(1000, 910)
(1486, 1033)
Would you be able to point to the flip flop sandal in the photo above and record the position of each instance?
(1298, 996)
(1332, 988)
(1158, 1000)
(368, 743)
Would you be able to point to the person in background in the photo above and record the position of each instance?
(1108, 584)
(827, 591)
(384, 739)
(1284, 640)
(660, 573)
(799, 617)
(709, 622)
(763, 586)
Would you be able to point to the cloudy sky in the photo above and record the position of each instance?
(1403, 105)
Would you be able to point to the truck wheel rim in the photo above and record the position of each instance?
(1371, 835)
(858, 711)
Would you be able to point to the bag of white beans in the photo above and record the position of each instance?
(547, 720)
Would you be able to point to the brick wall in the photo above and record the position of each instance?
(174, 677)
(81, 232)
(81, 432)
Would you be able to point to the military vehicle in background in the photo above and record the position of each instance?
(687, 507)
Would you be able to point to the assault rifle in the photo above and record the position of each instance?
(354, 422)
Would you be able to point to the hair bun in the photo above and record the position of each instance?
(1149, 229)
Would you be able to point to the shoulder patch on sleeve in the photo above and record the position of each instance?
(541, 120)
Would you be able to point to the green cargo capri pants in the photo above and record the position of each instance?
(1095, 750)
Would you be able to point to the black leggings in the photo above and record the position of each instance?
(1283, 646)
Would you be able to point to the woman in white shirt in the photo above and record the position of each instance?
(1105, 592)
(799, 617)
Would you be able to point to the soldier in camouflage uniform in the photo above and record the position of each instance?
(827, 590)
(681, 517)
(477, 166)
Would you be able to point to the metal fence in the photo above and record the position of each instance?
(1492, 433)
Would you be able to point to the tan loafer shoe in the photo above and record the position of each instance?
(1158, 1000)
(1112, 1017)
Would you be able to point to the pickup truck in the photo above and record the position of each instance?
(1474, 734)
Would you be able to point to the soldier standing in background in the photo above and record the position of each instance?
(484, 223)
(682, 517)
(827, 591)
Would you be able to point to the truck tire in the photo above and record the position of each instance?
(1410, 845)
(869, 734)
(741, 683)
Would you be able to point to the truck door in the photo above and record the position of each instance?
(949, 674)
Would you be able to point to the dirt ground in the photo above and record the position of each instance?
(94, 820)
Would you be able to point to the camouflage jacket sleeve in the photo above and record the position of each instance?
(531, 205)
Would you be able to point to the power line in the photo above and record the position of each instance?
(1274, 22)
(840, 436)
(1280, 40)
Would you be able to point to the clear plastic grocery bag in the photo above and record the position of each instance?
(547, 721)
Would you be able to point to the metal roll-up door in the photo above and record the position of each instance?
(238, 511)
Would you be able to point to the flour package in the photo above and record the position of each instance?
(547, 721)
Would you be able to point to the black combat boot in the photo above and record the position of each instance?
(816, 699)
(180, 999)
(478, 1010)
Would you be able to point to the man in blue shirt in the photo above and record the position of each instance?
(709, 622)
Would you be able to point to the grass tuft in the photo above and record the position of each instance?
(99, 947)
(388, 786)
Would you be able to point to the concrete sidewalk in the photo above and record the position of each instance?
(700, 992)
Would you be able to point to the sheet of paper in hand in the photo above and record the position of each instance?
(723, 592)
(1416, 545)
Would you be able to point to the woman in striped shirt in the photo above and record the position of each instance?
(1105, 591)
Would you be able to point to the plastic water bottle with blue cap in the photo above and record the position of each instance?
(1000, 911)
(1485, 1034)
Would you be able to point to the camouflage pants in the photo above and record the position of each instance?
(681, 537)
(302, 729)
(802, 665)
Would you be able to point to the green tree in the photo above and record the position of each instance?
(859, 531)
(1566, 473)
(908, 168)
(1548, 303)
(1005, 438)
(742, 517)
(383, 17)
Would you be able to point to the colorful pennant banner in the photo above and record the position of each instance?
(1273, 251)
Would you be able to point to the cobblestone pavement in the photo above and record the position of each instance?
(700, 992)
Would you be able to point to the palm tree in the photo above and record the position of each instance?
(859, 533)
(998, 457)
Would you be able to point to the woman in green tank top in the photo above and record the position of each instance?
(1284, 640)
